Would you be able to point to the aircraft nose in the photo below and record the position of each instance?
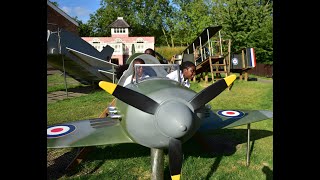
(174, 119)
(183, 128)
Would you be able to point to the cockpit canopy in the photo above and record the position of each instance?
(151, 69)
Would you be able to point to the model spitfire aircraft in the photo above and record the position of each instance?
(156, 112)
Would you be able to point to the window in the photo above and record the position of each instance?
(140, 40)
(119, 30)
(118, 40)
(115, 61)
(95, 41)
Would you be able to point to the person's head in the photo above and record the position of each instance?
(120, 69)
(140, 69)
(150, 51)
(188, 69)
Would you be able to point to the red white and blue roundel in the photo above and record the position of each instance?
(231, 113)
(59, 130)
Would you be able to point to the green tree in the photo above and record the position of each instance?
(84, 29)
(55, 3)
(192, 18)
(248, 23)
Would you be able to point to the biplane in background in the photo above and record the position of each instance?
(78, 59)
(157, 112)
(211, 53)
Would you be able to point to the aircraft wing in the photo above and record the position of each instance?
(218, 119)
(105, 68)
(91, 60)
(92, 132)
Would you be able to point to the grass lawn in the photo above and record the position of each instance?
(56, 82)
(226, 159)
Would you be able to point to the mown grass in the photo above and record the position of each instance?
(56, 82)
(132, 161)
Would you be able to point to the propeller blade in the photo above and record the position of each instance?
(211, 92)
(131, 97)
(175, 158)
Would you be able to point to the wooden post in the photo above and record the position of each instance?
(195, 54)
(211, 69)
(201, 49)
(229, 56)
(243, 64)
(245, 75)
(209, 43)
(228, 61)
(243, 61)
(220, 43)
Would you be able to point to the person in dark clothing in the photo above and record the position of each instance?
(150, 51)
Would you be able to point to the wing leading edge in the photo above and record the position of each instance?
(218, 119)
(92, 132)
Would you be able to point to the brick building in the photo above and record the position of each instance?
(123, 45)
(56, 18)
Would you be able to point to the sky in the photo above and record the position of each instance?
(79, 8)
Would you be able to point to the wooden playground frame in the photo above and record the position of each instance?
(211, 53)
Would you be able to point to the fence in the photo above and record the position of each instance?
(263, 70)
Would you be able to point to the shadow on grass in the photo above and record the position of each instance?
(269, 173)
(252, 79)
(103, 153)
(58, 167)
(221, 143)
(214, 145)
(85, 89)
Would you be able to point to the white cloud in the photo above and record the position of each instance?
(67, 10)
(80, 12)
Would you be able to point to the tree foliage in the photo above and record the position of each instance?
(248, 23)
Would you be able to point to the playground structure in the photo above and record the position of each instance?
(211, 53)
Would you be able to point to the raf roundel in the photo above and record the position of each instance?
(231, 113)
(234, 61)
(59, 130)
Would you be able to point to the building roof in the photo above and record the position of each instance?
(146, 39)
(62, 13)
(119, 23)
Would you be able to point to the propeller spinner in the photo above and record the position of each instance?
(180, 122)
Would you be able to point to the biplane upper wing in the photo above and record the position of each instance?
(218, 119)
(92, 132)
(101, 68)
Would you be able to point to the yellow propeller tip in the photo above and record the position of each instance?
(101, 83)
(229, 80)
(175, 177)
(109, 87)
